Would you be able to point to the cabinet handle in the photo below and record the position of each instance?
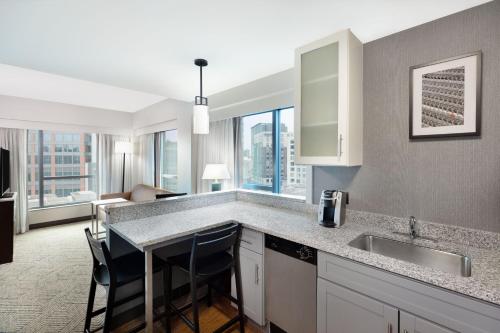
(256, 274)
(340, 145)
(389, 328)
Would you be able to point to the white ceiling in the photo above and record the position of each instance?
(149, 46)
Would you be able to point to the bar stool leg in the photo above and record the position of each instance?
(194, 300)
(109, 309)
(167, 292)
(209, 293)
(239, 293)
(90, 305)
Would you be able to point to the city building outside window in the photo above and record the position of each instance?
(293, 177)
(257, 143)
(67, 168)
(268, 150)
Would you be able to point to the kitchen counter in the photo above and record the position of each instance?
(157, 231)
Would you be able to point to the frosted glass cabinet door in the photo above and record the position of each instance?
(328, 101)
(320, 101)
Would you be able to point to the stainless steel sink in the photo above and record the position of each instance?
(420, 255)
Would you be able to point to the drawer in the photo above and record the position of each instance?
(252, 240)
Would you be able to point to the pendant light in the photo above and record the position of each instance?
(201, 121)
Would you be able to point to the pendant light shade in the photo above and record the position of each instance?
(201, 121)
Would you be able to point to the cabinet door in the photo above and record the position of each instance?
(342, 310)
(319, 101)
(253, 285)
(412, 324)
(328, 101)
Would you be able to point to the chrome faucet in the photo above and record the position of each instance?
(413, 230)
(412, 233)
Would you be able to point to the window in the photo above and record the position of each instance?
(268, 153)
(257, 142)
(166, 170)
(68, 168)
(293, 177)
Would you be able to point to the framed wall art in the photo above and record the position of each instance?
(445, 97)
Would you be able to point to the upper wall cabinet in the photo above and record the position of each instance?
(329, 101)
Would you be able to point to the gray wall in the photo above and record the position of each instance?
(453, 181)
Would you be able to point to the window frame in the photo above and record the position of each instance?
(276, 153)
(42, 178)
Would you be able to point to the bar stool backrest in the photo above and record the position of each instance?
(100, 253)
(215, 241)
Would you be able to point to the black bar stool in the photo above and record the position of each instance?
(112, 273)
(209, 257)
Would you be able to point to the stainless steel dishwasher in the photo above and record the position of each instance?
(290, 284)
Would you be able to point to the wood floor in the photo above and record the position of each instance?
(210, 319)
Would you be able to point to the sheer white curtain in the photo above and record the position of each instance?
(238, 152)
(216, 147)
(15, 140)
(110, 165)
(144, 160)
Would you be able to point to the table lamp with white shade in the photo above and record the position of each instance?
(216, 172)
(123, 147)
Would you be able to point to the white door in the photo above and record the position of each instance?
(341, 310)
(253, 285)
(412, 324)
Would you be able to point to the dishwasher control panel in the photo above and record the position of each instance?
(292, 249)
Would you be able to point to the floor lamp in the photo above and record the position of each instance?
(123, 147)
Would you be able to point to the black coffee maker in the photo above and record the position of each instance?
(331, 208)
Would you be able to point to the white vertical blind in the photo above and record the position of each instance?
(143, 170)
(110, 165)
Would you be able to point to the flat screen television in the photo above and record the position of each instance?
(4, 171)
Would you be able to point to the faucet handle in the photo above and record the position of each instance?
(412, 221)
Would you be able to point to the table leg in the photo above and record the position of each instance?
(96, 222)
(149, 290)
(92, 218)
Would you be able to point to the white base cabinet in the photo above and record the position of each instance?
(357, 298)
(252, 275)
(341, 310)
(345, 311)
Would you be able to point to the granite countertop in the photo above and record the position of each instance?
(153, 232)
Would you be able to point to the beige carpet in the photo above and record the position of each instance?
(45, 289)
